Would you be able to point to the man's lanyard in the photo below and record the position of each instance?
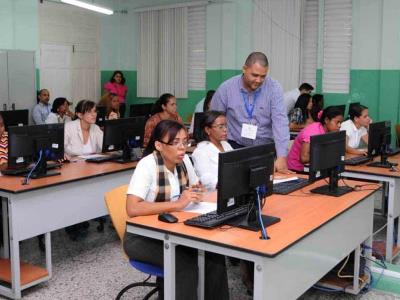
(249, 108)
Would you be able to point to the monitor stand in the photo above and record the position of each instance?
(253, 224)
(35, 175)
(128, 154)
(384, 163)
(41, 170)
(332, 189)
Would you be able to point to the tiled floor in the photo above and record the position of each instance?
(96, 268)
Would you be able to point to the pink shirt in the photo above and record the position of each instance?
(118, 89)
(293, 159)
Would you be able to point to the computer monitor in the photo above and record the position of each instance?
(327, 153)
(241, 173)
(18, 117)
(101, 115)
(342, 108)
(124, 134)
(379, 139)
(35, 144)
(198, 134)
(139, 110)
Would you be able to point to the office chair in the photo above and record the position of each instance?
(116, 205)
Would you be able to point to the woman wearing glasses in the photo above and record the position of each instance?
(165, 181)
(205, 156)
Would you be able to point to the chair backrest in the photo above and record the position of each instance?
(116, 205)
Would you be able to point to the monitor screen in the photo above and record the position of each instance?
(123, 134)
(379, 139)
(198, 133)
(327, 152)
(15, 117)
(25, 143)
(240, 173)
(139, 110)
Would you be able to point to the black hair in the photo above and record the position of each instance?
(306, 86)
(57, 103)
(330, 112)
(208, 120)
(163, 100)
(318, 105)
(207, 101)
(256, 57)
(38, 94)
(84, 106)
(356, 111)
(163, 128)
(302, 103)
(120, 73)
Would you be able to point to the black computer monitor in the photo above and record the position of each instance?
(18, 117)
(140, 110)
(124, 134)
(241, 173)
(327, 153)
(35, 144)
(101, 115)
(198, 134)
(379, 139)
(341, 107)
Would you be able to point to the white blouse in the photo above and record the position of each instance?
(205, 159)
(144, 183)
(353, 133)
(73, 139)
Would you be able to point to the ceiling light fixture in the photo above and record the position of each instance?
(92, 7)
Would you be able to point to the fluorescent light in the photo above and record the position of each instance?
(95, 8)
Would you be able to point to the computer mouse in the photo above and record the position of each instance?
(167, 218)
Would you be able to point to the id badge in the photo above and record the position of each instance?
(249, 131)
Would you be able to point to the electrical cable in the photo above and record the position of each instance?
(263, 231)
(26, 179)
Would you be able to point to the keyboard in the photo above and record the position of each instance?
(212, 219)
(357, 160)
(103, 158)
(286, 187)
(26, 170)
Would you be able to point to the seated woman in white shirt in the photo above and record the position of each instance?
(60, 112)
(165, 181)
(83, 136)
(205, 156)
(356, 129)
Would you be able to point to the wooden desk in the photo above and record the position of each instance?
(315, 233)
(49, 204)
(391, 180)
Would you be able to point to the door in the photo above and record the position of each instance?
(55, 70)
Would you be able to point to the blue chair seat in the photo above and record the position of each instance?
(147, 268)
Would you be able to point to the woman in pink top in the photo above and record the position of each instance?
(117, 86)
(330, 120)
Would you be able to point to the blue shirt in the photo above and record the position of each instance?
(40, 113)
(269, 113)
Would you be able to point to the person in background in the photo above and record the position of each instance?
(112, 108)
(205, 156)
(317, 105)
(117, 86)
(42, 109)
(3, 142)
(204, 104)
(356, 129)
(329, 121)
(83, 136)
(164, 109)
(290, 97)
(253, 103)
(60, 112)
(301, 115)
(165, 181)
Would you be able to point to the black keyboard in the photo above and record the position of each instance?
(357, 160)
(212, 219)
(105, 158)
(286, 187)
(26, 170)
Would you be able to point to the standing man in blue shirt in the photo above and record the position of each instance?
(255, 112)
(42, 109)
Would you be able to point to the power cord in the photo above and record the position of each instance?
(25, 181)
(264, 235)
